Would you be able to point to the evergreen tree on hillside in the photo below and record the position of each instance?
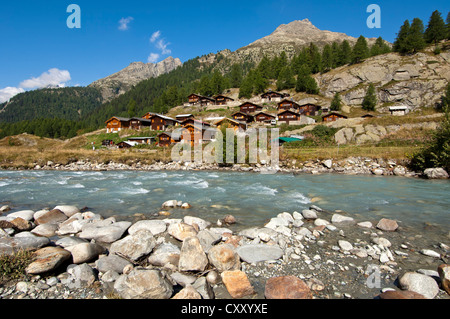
(445, 100)
(448, 26)
(370, 100)
(131, 108)
(401, 44)
(327, 58)
(379, 47)
(316, 58)
(246, 89)
(235, 76)
(285, 79)
(415, 38)
(436, 29)
(360, 50)
(345, 55)
(335, 51)
(336, 102)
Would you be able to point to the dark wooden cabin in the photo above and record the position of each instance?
(288, 116)
(263, 117)
(194, 98)
(243, 117)
(287, 105)
(309, 109)
(165, 139)
(222, 99)
(116, 124)
(249, 107)
(333, 116)
(184, 117)
(271, 95)
(161, 122)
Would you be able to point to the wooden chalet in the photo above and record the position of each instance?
(116, 124)
(287, 105)
(148, 115)
(222, 99)
(309, 109)
(272, 96)
(333, 116)
(137, 123)
(194, 121)
(183, 117)
(196, 133)
(126, 144)
(237, 125)
(243, 117)
(161, 122)
(194, 98)
(166, 139)
(288, 116)
(249, 107)
(205, 101)
(263, 117)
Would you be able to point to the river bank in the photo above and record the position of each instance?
(317, 253)
(349, 166)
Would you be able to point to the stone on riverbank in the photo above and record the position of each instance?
(53, 216)
(166, 253)
(287, 287)
(237, 284)
(419, 283)
(257, 253)
(342, 220)
(400, 295)
(181, 231)
(10, 245)
(47, 259)
(68, 210)
(224, 258)
(102, 232)
(143, 284)
(134, 246)
(85, 252)
(192, 256)
(436, 173)
(387, 225)
(155, 226)
(444, 274)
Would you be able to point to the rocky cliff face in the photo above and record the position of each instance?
(120, 82)
(416, 81)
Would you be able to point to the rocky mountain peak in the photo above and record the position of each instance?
(120, 82)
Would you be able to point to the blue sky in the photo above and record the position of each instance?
(38, 48)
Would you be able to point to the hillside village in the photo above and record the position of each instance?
(270, 109)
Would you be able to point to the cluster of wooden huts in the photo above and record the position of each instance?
(288, 111)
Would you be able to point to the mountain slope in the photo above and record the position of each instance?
(122, 81)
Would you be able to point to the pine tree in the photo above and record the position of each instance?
(360, 50)
(260, 83)
(370, 100)
(345, 53)
(235, 76)
(415, 38)
(316, 58)
(303, 73)
(379, 47)
(336, 102)
(401, 43)
(335, 50)
(436, 29)
(448, 26)
(246, 89)
(131, 108)
(285, 79)
(327, 58)
(311, 85)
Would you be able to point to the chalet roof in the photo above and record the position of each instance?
(271, 115)
(130, 143)
(121, 119)
(141, 119)
(141, 138)
(224, 96)
(335, 113)
(288, 111)
(165, 117)
(398, 108)
(196, 122)
(250, 104)
(272, 93)
(231, 120)
(183, 115)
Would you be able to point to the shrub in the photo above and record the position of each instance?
(13, 266)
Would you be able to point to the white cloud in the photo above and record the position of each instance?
(155, 36)
(153, 58)
(53, 77)
(163, 47)
(123, 23)
(8, 92)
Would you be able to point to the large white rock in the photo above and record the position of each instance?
(143, 284)
(261, 252)
(422, 284)
(154, 226)
(134, 246)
